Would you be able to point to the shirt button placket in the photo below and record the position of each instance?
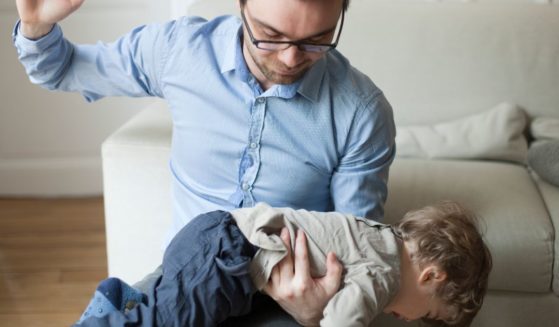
(255, 134)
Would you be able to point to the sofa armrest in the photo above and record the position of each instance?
(137, 187)
(550, 195)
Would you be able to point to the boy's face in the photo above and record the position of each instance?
(416, 298)
(414, 308)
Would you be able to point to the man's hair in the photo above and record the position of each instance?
(345, 4)
(447, 236)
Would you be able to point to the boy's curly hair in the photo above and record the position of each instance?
(447, 235)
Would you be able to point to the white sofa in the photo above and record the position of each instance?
(435, 61)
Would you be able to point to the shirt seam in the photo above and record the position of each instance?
(165, 58)
(362, 106)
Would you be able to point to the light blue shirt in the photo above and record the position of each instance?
(324, 143)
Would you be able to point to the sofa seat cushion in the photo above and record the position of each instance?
(515, 221)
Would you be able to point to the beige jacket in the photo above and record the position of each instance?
(369, 251)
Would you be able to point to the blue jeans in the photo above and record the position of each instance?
(205, 278)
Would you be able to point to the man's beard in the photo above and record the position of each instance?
(273, 76)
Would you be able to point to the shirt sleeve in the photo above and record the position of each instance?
(130, 66)
(349, 307)
(364, 295)
(359, 183)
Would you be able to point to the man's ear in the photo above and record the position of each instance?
(430, 274)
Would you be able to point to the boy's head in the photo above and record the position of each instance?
(450, 254)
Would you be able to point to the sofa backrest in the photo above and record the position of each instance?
(438, 61)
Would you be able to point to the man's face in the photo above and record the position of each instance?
(312, 21)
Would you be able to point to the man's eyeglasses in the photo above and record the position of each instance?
(301, 45)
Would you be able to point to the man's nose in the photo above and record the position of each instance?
(291, 57)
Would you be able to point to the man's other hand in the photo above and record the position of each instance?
(295, 290)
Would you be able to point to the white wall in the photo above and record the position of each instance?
(50, 142)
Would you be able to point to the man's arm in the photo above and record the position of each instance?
(130, 66)
(293, 288)
(358, 186)
(359, 183)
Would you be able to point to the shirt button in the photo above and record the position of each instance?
(253, 145)
(260, 100)
(245, 186)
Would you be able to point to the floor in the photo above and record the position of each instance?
(52, 255)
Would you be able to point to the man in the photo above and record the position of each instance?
(264, 110)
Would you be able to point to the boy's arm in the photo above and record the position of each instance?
(364, 295)
(349, 307)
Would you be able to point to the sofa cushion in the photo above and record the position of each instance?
(543, 158)
(516, 224)
(496, 134)
(544, 128)
(550, 195)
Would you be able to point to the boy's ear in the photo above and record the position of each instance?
(432, 273)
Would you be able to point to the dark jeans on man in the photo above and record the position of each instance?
(205, 278)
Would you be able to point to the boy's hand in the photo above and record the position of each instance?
(38, 16)
(293, 288)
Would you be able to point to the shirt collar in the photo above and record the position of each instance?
(312, 81)
(233, 56)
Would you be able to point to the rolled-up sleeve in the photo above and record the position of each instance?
(130, 66)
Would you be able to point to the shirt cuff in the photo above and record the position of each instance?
(38, 45)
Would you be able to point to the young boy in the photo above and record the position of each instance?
(432, 265)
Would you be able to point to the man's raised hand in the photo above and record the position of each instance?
(38, 16)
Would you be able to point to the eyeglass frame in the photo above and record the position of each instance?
(301, 44)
